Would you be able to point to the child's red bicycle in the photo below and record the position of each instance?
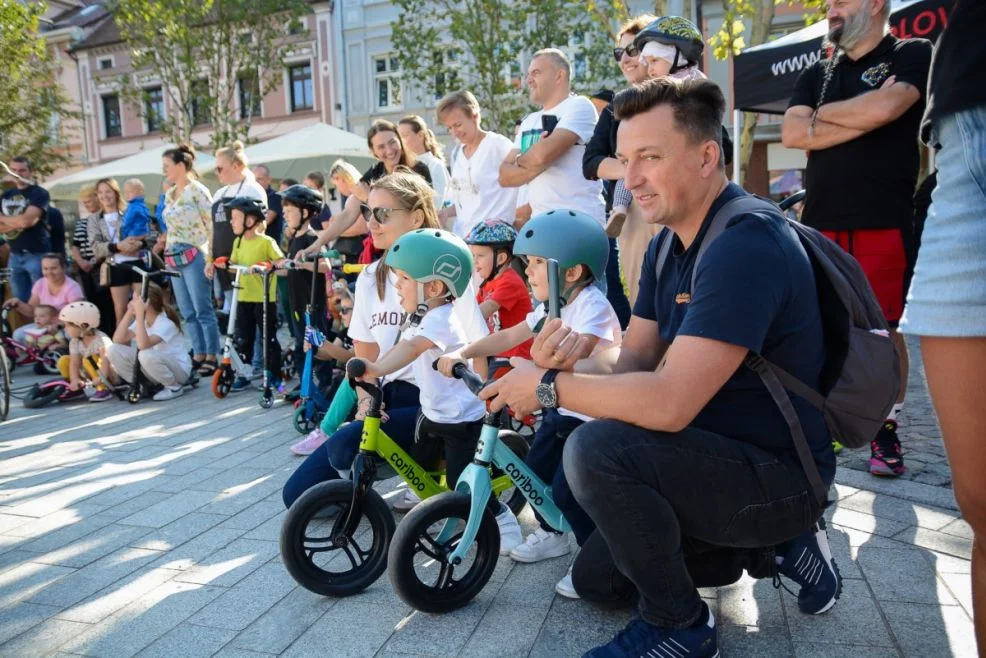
(18, 354)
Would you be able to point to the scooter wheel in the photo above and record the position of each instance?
(323, 559)
(266, 399)
(303, 424)
(418, 561)
(133, 395)
(222, 382)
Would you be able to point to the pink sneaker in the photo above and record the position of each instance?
(310, 443)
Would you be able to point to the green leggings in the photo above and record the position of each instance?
(342, 403)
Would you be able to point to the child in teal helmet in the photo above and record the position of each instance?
(580, 246)
(433, 269)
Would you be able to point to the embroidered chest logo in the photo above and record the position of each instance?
(683, 298)
(876, 75)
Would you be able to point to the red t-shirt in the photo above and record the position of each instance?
(508, 290)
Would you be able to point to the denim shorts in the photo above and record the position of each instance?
(948, 293)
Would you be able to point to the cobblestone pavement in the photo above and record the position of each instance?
(152, 530)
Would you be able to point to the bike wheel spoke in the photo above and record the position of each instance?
(429, 547)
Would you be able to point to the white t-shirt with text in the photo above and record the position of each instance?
(376, 321)
(475, 185)
(443, 399)
(173, 343)
(589, 313)
(562, 185)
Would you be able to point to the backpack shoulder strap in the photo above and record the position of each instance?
(664, 251)
(740, 205)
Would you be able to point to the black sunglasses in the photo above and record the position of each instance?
(630, 51)
(381, 215)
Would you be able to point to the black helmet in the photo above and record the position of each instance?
(248, 206)
(303, 197)
(673, 31)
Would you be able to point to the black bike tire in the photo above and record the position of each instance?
(308, 575)
(400, 559)
(36, 402)
(520, 447)
(5, 384)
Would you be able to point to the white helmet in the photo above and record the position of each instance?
(82, 314)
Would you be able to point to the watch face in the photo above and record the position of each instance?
(546, 396)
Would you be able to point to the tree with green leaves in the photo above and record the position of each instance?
(203, 51)
(480, 45)
(733, 38)
(34, 110)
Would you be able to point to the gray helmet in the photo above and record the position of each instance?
(567, 236)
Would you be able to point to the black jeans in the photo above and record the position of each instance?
(459, 443)
(648, 490)
(250, 320)
(545, 460)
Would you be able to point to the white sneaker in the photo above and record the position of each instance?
(541, 545)
(167, 393)
(566, 588)
(409, 501)
(510, 536)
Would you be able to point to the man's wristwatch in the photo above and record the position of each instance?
(546, 394)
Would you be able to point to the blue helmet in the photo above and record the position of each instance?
(492, 233)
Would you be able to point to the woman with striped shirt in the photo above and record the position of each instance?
(84, 259)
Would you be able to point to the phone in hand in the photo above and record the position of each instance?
(548, 123)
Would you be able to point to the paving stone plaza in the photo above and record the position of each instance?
(152, 530)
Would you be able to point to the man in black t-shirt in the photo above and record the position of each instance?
(23, 209)
(857, 115)
(275, 222)
(56, 229)
(692, 464)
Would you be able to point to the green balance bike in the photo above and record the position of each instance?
(335, 537)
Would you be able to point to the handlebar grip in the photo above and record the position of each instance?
(469, 378)
(353, 268)
(355, 368)
(168, 273)
(329, 253)
(791, 200)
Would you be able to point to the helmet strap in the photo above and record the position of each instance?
(497, 268)
(675, 66)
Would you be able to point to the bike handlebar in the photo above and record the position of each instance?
(472, 381)
(791, 200)
(355, 368)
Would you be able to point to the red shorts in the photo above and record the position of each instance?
(883, 258)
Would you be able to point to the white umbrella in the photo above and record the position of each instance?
(145, 165)
(313, 148)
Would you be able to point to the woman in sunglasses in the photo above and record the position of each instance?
(397, 203)
(390, 151)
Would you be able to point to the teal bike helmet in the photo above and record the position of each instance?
(429, 254)
(567, 236)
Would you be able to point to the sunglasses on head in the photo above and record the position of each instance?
(380, 215)
(629, 51)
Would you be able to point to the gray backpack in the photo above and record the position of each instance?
(860, 377)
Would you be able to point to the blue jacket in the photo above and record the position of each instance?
(136, 219)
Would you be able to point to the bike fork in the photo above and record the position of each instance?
(363, 474)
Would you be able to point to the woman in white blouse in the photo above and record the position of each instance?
(421, 141)
(475, 186)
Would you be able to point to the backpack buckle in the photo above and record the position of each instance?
(756, 363)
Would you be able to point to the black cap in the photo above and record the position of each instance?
(604, 95)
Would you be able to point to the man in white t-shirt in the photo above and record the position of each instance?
(548, 150)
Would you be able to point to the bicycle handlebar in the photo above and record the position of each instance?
(355, 368)
(791, 200)
(472, 381)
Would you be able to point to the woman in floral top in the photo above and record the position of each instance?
(187, 214)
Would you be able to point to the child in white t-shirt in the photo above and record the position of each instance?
(433, 270)
(579, 244)
(161, 347)
(87, 350)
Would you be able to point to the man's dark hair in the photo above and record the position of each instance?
(288, 181)
(697, 105)
(23, 160)
(54, 255)
(316, 177)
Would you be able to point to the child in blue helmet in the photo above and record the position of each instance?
(503, 297)
(580, 246)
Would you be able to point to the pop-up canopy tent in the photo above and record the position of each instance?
(313, 148)
(764, 76)
(145, 165)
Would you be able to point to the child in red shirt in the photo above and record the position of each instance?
(503, 297)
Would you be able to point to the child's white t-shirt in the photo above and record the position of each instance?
(173, 343)
(589, 313)
(376, 321)
(443, 399)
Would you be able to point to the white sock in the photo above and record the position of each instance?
(895, 410)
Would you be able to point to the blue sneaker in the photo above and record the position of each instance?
(240, 384)
(642, 640)
(807, 560)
